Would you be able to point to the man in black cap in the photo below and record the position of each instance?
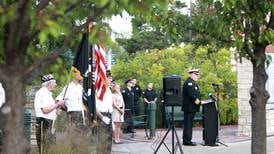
(137, 94)
(128, 96)
(191, 104)
(45, 111)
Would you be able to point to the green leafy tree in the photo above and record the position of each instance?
(159, 30)
(248, 26)
(45, 29)
(146, 40)
(168, 28)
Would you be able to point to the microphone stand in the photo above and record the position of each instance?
(217, 89)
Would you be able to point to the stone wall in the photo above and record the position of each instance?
(29, 106)
(244, 82)
(270, 121)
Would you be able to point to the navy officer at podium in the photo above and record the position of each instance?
(191, 104)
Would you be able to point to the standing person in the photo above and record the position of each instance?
(2, 95)
(163, 111)
(104, 110)
(128, 96)
(2, 101)
(137, 94)
(150, 96)
(191, 104)
(118, 111)
(72, 95)
(45, 111)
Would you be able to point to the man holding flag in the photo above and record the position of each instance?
(104, 106)
(97, 94)
(72, 96)
(82, 72)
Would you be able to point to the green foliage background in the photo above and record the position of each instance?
(215, 67)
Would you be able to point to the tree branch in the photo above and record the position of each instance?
(16, 34)
(42, 5)
(32, 71)
(2, 72)
(271, 21)
(219, 39)
(35, 69)
(73, 6)
(247, 31)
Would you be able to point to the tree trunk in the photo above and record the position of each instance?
(258, 143)
(259, 97)
(12, 114)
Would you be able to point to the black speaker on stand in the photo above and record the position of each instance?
(172, 97)
(172, 90)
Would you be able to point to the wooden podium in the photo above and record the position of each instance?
(210, 123)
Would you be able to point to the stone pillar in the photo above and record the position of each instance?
(270, 122)
(244, 82)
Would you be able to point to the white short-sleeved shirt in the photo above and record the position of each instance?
(106, 104)
(43, 98)
(73, 97)
(2, 95)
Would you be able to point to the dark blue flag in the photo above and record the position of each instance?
(83, 64)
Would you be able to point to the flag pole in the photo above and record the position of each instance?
(93, 114)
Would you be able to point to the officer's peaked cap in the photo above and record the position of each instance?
(127, 81)
(193, 71)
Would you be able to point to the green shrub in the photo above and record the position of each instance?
(228, 111)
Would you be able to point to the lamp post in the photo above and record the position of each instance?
(190, 17)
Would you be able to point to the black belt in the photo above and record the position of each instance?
(70, 112)
(39, 119)
(47, 123)
(105, 113)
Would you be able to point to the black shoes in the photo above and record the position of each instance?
(194, 144)
(189, 143)
(213, 145)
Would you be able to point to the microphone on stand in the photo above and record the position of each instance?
(212, 97)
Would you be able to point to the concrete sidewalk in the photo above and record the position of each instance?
(227, 135)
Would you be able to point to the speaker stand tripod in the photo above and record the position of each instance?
(219, 128)
(173, 130)
(217, 89)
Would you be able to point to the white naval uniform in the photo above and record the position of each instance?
(105, 106)
(2, 95)
(73, 97)
(43, 98)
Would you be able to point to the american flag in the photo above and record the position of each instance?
(100, 71)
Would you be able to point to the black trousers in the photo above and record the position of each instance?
(188, 124)
(76, 119)
(136, 108)
(146, 112)
(128, 121)
(163, 112)
(104, 137)
(44, 137)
